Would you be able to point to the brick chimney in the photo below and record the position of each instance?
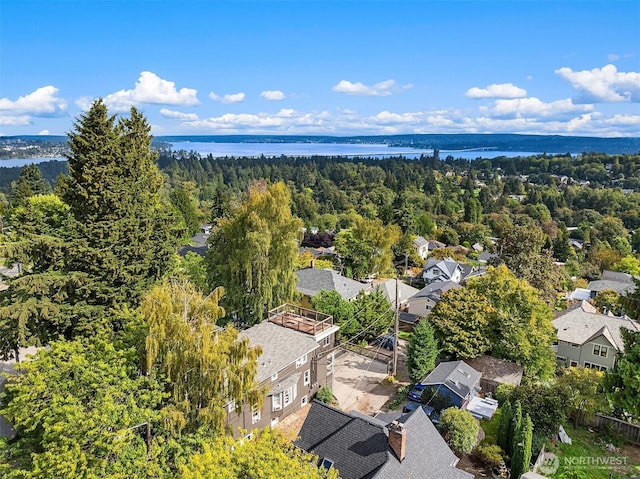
(398, 439)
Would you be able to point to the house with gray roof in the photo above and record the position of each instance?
(442, 270)
(422, 302)
(590, 339)
(361, 447)
(297, 359)
(455, 380)
(621, 283)
(313, 280)
(422, 247)
(393, 289)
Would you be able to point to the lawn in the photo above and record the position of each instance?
(587, 456)
(490, 427)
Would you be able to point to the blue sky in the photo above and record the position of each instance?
(325, 67)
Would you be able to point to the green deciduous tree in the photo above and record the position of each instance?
(75, 409)
(461, 428)
(366, 246)
(205, 367)
(461, 320)
(330, 302)
(373, 316)
(584, 387)
(622, 383)
(253, 250)
(422, 351)
(268, 455)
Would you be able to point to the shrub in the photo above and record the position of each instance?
(461, 428)
(324, 395)
(489, 453)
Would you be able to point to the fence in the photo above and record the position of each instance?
(626, 429)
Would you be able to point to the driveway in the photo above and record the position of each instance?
(358, 382)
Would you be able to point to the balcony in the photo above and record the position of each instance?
(300, 319)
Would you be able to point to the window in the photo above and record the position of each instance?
(304, 401)
(573, 364)
(307, 377)
(290, 394)
(326, 463)
(330, 363)
(274, 421)
(599, 350)
(326, 341)
(595, 366)
(276, 402)
(574, 345)
(231, 406)
(255, 414)
(300, 361)
(274, 376)
(561, 359)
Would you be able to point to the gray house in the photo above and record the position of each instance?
(454, 379)
(422, 302)
(362, 447)
(297, 359)
(621, 283)
(442, 270)
(589, 339)
(313, 280)
(404, 293)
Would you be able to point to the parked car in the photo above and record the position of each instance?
(386, 341)
(416, 392)
(429, 411)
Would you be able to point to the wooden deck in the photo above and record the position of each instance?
(301, 319)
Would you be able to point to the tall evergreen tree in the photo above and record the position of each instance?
(422, 351)
(29, 183)
(253, 252)
(183, 201)
(118, 239)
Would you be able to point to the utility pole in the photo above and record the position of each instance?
(395, 334)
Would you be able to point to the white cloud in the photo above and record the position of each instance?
(603, 85)
(41, 102)
(177, 115)
(273, 95)
(384, 88)
(497, 90)
(612, 57)
(84, 102)
(231, 98)
(15, 120)
(44, 132)
(536, 108)
(151, 89)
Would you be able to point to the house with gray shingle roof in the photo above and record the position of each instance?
(442, 270)
(456, 380)
(422, 247)
(404, 292)
(297, 359)
(424, 300)
(313, 280)
(361, 447)
(621, 283)
(590, 339)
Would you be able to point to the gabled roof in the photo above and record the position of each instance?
(313, 280)
(420, 242)
(280, 347)
(617, 276)
(359, 446)
(456, 375)
(388, 288)
(581, 324)
(434, 290)
(620, 287)
(436, 245)
(497, 370)
(447, 266)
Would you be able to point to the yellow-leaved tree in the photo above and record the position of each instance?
(204, 366)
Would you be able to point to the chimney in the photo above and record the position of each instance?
(398, 439)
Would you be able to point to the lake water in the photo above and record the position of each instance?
(329, 149)
(304, 149)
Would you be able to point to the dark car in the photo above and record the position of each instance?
(387, 342)
(416, 392)
(429, 411)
